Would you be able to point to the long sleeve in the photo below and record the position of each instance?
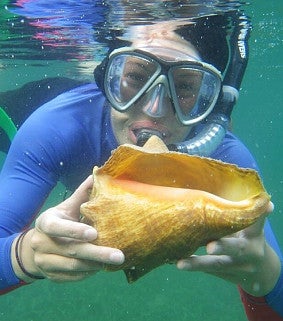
(62, 140)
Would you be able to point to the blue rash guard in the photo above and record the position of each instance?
(62, 141)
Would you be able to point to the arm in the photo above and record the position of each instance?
(266, 306)
(58, 247)
(43, 151)
(23, 189)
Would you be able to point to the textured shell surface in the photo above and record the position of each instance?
(159, 206)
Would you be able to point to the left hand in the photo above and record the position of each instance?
(243, 258)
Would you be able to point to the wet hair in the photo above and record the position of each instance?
(208, 34)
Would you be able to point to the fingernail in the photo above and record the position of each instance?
(211, 248)
(90, 234)
(270, 207)
(117, 257)
(181, 265)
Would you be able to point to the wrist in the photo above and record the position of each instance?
(23, 258)
(265, 275)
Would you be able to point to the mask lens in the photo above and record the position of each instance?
(193, 86)
(194, 92)
(127, 78)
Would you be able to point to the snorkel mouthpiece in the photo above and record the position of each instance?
(144, 135)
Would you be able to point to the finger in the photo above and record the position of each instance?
(205, 263)
(57, 276)
(228, 246)
(51, 222)
(270, 207)
(49, 263)
(219, 266)
(61, 269)
(80, 250)
(91, 252)
(240, 249)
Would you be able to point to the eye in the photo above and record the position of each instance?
(134, 80)
(136, 77)
(187, 86)
(185, 89)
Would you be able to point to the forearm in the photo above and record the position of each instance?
(264, 274)
(268, 307)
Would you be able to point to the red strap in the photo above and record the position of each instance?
(21, 283)
(257, 309)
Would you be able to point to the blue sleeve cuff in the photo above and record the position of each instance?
(8, 277)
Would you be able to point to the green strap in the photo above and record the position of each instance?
(7, 124)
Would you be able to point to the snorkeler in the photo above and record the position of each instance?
(140, 91)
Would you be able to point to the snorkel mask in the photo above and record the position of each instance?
(193, 86)
(196, 89)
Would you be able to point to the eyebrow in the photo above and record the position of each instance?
(141, 65)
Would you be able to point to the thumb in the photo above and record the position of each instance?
(63, 219)
(72, 204)
(257, 228)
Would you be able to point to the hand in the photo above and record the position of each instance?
(243, 258)
(60, 243)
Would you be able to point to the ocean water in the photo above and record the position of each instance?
(164, 294)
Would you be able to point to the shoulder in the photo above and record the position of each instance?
(61, 125)
(65, 112)
(232, 150)
(74, 100)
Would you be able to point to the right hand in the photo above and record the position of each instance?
(61, 244)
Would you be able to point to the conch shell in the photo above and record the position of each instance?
(159, 206)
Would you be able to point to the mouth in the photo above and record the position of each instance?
(140, 132)
(144, 134)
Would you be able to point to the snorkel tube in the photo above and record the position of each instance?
(210, 137)
(7, 124)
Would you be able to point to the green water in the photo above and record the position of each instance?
(167, 294)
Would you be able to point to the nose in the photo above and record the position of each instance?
(157, 102)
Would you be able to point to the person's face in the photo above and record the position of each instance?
(154, 111)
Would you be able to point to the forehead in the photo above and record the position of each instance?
(163, 41)
(171, 54)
